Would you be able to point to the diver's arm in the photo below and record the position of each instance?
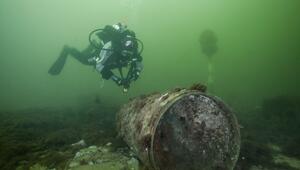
(137, 66)
(109, 75)
(137, 69)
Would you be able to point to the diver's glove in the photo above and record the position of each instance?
(117, 80)
(126, 85)
(121, 82)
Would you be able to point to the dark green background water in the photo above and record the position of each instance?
(258, 44)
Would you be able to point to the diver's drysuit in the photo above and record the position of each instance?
(118, 49)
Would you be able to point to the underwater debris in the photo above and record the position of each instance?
(178, 130)
(62, 137)
(271, 131)
(79, 143)
(199, 87)
(253, 153)
(38, 167)
(281, 114)
(102, 158)
(44, 135)
(282, 159)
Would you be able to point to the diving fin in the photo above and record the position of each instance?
(58, 65)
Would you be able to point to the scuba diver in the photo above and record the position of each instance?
(118, 49)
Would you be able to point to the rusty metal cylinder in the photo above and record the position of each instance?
(182, 129)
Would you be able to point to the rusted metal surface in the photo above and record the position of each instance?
(182, 129)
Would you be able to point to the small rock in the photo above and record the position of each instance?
(79, 143)
(99, 161)
(74, 164)
(92, 147)
(105, 150)
(133, 164)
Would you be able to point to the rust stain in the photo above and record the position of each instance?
(189, 130)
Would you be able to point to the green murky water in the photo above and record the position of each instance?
(257, 60)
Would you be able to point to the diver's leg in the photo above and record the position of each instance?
(82, 57)
(58, 65)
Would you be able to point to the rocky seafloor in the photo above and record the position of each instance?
(86, 139)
